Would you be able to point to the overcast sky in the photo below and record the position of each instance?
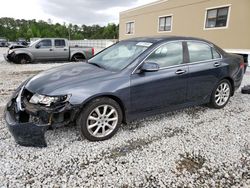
(70, 11)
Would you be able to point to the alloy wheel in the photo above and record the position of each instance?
(222, 94)
(102, 121)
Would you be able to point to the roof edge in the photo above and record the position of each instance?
(144, 6)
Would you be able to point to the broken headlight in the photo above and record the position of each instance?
(48, 100)
(10, 51)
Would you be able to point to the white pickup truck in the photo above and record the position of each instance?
(48, 49)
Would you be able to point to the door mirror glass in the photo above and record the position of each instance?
(150, 67)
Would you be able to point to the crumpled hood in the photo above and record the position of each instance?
(16, 46)
(67, 76)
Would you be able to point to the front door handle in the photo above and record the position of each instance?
(179, 72)
(65, 49)
(217, 64)
(50, 49)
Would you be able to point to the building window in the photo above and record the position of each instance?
(165, 23)
(217, 17)
(130, 28)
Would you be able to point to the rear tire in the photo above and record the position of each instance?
(100, 119)
(246, 89)
(78, 58)
(221, 94)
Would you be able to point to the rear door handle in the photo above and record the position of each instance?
(217, 64)
(179, 72)
(50, 49)
(65, 49)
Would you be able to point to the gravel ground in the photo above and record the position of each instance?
(194, 147)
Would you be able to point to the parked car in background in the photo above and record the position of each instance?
(3, 42)
(49, 49)
(22, 41)
(129, 80)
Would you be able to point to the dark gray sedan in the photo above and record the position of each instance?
(129, 80)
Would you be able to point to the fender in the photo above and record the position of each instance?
(19, 52)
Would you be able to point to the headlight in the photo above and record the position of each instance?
(10, 51)
(48, 100)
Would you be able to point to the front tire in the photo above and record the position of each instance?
(221, 94)
(23, 59)
(100, 119)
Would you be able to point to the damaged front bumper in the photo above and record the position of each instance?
(10, 57)
(26, 134)
(28, 122)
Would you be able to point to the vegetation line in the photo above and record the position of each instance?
(12, 29)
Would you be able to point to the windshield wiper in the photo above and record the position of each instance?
(97, 65)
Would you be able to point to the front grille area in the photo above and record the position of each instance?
(27, 94)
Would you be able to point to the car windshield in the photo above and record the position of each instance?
(120, 55)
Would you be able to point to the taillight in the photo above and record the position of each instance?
(93, 51)
(242, 64)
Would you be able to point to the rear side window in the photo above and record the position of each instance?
(169, 54)
(45, 44)
(199, 52)
(60, 43)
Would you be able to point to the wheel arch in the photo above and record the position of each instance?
(232, 84)
(23, 54)
(111, 96)
(77, 53)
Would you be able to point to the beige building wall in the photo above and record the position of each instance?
(188, 20)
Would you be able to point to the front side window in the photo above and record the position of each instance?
(199, 52)
(130, 27)
(120, 55)
(165, 23)
(217, 17)
(169, 54)
(60, 43)
(45, 44)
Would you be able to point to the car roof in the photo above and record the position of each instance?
(163, 39)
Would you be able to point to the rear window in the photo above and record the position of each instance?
(60, 43)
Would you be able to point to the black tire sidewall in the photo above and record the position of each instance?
(213, 102)
(82, 119)
(75, 59)
(20, 58)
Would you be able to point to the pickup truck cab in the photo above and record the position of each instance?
(48, 49)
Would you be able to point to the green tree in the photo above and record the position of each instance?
(13, 29)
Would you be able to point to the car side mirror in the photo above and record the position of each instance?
(38, 46)
(150, 67)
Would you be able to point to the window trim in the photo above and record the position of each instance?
(217, 7)
(163, 16)
(46, 47)
(204, 61)
(131, 21)
(156, 48)
(184, 63)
